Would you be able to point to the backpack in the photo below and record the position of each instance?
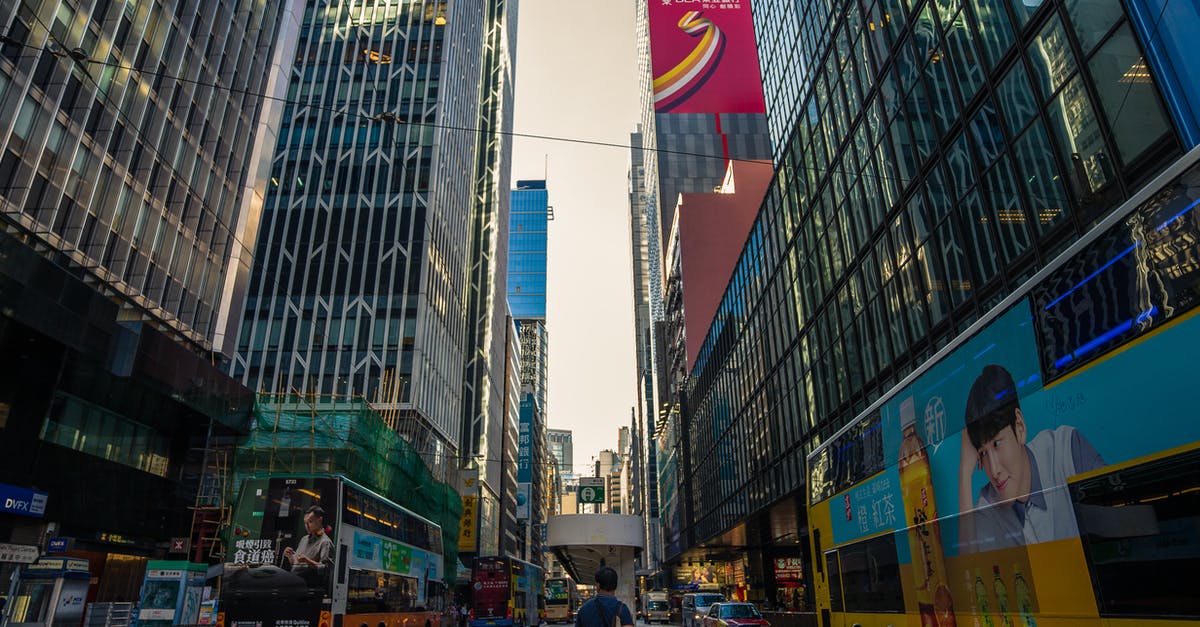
(604, 622)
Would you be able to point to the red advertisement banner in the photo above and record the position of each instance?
(704, 57)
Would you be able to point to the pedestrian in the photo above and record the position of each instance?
(462, 615)
(604, 609)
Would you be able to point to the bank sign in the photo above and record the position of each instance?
(22, 501)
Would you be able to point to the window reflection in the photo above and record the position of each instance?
(977, 239)
(995, 32)
(961, 56)
(1008, 211)
(1127, 95)
(1079, 139)
(1017, 100)
(1034, 157)
(1092, 19)
(1053, 62)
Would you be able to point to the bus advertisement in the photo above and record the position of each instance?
(562, 600)
(1044, 467)
(505, 592)
(322, 551)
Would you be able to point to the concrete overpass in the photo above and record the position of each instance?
(582, 542)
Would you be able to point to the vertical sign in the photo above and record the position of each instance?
(467, 526)
(704, 57)
(524, 456)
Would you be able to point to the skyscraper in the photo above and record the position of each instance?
(373, 256)
(701, 107)
(129, 196)
(559, 441)
(931, 157)
(527, 244)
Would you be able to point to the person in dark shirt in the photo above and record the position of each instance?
(604, 609)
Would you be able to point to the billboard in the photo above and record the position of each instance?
(525, 455)
(704, 57)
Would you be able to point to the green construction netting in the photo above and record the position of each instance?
(316, 435)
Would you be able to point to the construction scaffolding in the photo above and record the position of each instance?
(315, 434)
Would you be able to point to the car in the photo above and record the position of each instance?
(695, 606)
(734, 615)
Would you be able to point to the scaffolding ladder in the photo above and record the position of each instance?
(210, 514)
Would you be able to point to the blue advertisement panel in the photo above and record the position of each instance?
(1064, 431)
(22, 501)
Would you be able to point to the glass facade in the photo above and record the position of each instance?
(488, 323)
(367, 230)
(937, 154)
(529, 215)
(127, 146)
(562, 449)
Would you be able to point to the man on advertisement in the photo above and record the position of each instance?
(1022, 503)
(313, 555)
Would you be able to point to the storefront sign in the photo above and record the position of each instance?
(22, 501)
(60, 563)
(18, 553)
(789, 569)
(58, 545)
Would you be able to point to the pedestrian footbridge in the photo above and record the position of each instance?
(582, 542)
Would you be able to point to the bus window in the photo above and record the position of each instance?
(871, 576)
(835, 581)
(370, 592)
(1140, 527)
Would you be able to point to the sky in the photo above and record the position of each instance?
(576, 77)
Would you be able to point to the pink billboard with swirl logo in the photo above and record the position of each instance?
(704, 57)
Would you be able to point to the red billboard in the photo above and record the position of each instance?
(704, 57)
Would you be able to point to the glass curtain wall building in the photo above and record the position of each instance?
(366, 247)
(677, 149)
(931, 156)
(127, 147)
(483, 406)
(528, 232)
(129, 195)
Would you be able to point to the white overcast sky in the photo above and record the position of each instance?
(576, 77)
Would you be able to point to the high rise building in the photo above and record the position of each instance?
(373, 256)
(702, 106)
(129, 197)
(561, 447)
(930, 158)
(529, 217)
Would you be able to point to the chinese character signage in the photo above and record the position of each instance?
(525, 455)
(789, 568)
(468, 525)
(704, 57)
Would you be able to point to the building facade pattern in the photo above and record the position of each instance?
(362, 257)
(126, 147)
(940, 153)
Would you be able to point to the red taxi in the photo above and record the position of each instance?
(734, 615)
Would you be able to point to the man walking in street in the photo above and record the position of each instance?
(604, 609)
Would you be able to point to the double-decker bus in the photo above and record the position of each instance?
(323, 551)
(562, 600)
(1044, 467)
(505, 592)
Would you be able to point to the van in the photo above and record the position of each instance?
(696, 605)
(656, 607)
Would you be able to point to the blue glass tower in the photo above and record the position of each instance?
(528, 217)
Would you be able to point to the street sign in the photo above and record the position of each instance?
(591, 489)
